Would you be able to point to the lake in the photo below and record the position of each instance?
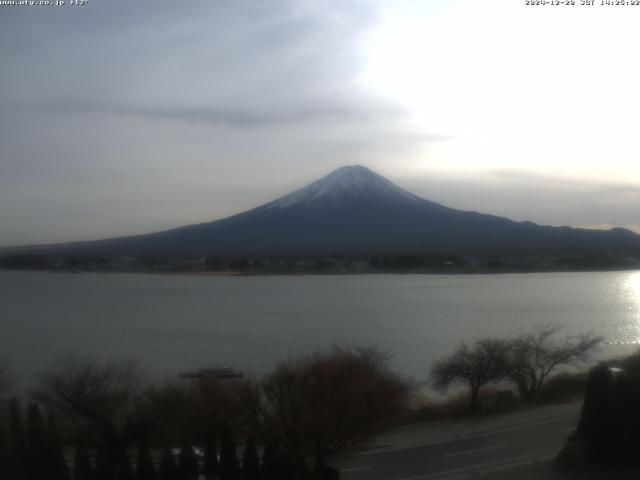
(173, 323)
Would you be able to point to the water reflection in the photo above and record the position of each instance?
(630, 292)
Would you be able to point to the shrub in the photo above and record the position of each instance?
(563, 387)
(322, 404)
(485, 361)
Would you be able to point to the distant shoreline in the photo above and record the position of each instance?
(336, 264)
(233, 273)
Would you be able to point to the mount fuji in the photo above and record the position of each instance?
(358, 212)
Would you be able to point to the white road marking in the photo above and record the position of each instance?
(464, 476)
(489, 433)
(486, 467)
(509, 466)
(355, 469)
(476, 450)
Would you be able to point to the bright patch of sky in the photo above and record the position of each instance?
(550, 90)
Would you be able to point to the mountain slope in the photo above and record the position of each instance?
(356, 211)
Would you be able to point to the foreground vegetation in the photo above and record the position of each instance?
(307, 409)
(289, 422)
(526, 361)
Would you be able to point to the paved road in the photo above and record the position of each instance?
(518, 445)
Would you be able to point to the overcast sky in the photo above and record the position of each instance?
(123, 117)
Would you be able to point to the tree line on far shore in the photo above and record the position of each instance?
(289, 422)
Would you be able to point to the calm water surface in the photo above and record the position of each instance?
(172, 323)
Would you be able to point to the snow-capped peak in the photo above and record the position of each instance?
(344, 185)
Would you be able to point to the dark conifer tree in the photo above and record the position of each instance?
(82, 467)
(187, 464)
(104, 468)
(250, 461)
(145, 470)
(17, 442)
(270, 465)
(4, 455)
(56, 462)
(229, 465)
(36, 443)
(274, 467)
(125, 471)
(168, 469)
(211, 466)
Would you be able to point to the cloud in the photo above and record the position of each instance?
(330, 111)
(234, 55)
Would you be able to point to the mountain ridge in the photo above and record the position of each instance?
(354, 210)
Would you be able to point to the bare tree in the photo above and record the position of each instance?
(324, 403)
(485, 361)
(534, 355)
(106, 398)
